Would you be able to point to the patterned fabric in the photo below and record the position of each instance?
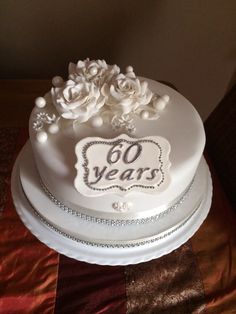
(198, 277)
(166, 284)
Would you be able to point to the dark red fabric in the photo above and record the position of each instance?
(85, 288)
(28, 269)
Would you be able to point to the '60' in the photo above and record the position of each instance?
(131, 153)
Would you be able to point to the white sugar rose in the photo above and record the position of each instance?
(77, 100)
(126, 93)
(97, 71)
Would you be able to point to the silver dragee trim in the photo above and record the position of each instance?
(117, 222)
(115, 245)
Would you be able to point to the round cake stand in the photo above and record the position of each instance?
(105, 255)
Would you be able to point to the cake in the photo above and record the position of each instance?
(117, 157)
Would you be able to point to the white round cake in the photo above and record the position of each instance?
(118, 156)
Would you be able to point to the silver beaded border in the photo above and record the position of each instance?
(118, 222)
(114, 245)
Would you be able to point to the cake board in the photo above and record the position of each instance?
(100, 254)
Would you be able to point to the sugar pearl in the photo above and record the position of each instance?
(40, 102)
(159, 104)
(53, 128)
(97, 122)
(57, 81)
(144, 114)
(41, 137)
(93, 70)
(166, 98)
(129, 69)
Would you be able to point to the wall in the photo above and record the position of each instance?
(188, 43)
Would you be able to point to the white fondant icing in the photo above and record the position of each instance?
(75, 226)
(179, 124)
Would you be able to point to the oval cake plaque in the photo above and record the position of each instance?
(121, 165)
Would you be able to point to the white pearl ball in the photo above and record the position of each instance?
(144, 114)
(41, 137)
(40, 102)
(97, 122)
(129, 69)
(53, 128)
(57, 81)
(160, 104)
(166, 98)
(93, 70)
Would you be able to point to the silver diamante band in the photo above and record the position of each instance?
(114, 245)
(118, 222)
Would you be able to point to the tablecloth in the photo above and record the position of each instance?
(198, 277)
